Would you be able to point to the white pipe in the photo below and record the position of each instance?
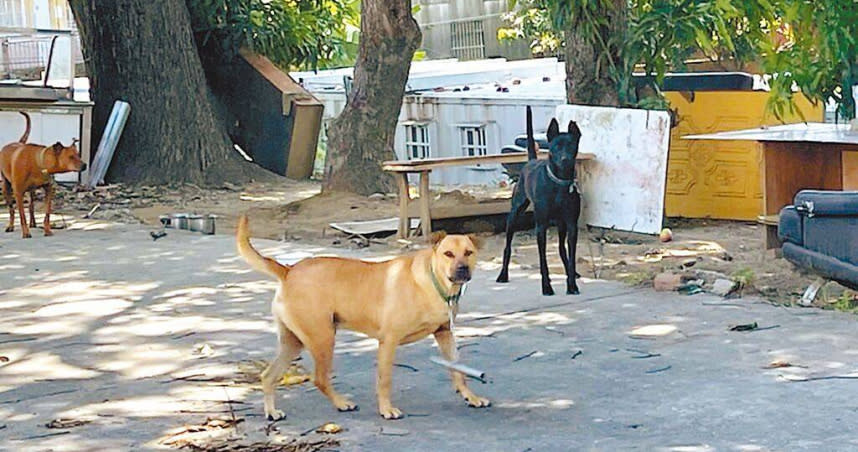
(461, 368)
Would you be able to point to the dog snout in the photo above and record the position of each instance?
(82, 167)
(462, 274)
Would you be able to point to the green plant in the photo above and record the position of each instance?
(309, 34)
(814, 50)
(745, 277)
(846, 302)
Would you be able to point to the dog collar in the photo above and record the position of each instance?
(449, 299)
(572, 184)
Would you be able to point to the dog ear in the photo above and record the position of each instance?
(436, 238)
(58, 147)
(477, 241)
(553, 130)
(574, 130)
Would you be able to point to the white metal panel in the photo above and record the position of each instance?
(812, 132)
(624, 186)
(47, 129)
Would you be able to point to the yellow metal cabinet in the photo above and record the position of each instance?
(709, 179)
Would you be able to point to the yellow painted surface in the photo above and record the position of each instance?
(719, 179)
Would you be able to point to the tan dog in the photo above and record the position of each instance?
(25, 167)
(396, 302)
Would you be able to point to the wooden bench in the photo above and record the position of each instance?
(401, 169)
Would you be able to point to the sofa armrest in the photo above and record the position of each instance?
(790, 226)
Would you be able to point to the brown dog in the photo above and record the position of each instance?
(396, 302)
(25, 167)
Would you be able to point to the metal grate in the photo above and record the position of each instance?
(417, 144)
(27, 53)
(467, 40)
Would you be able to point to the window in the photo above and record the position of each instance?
(417, 141)
(473, 140)
(467, 40)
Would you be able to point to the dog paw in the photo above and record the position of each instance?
(502, 278)
(48, 233)
(572, 290)
(547, 291)
(347, 406)
(477, 402)
(390, 413)
(27, 236)
(10, 228)
(275, 415)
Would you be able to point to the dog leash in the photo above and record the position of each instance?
(572, 184)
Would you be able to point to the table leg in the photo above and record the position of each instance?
(85, 142)
(404, 221)
(425, 218)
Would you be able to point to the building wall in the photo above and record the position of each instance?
(503, 120)
(45, 14)
(440, 19)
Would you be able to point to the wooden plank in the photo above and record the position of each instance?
(791, 167)
(425, 200)
(849, 160)
(370, 227)
(772, 220)
(403, 230)
(413, 166)
(498, 207)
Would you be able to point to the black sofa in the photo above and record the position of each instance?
(820, 234)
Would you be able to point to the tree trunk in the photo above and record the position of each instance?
(362, 136)
(594, 66)
(143, 52)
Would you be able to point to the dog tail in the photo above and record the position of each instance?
(26, 134)
(531, 143)
(257, 261)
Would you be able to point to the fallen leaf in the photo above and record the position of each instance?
(744, 327)
(293, 379)
(67, 423)
(330, 427)
(4, 359)
(781, 364)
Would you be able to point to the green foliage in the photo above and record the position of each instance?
(292, 33)
(660, 34)
(846, 302)
(817, 54)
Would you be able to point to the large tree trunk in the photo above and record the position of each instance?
(143, 52)
(362, 136)
(592, 70)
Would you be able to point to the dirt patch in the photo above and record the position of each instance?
(296, 211)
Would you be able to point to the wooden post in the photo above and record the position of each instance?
(425, 218)
(404, 221)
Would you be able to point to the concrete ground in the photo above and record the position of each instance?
(101, 324)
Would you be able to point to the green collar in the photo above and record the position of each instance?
(449, 299)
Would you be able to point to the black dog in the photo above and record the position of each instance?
(550, 186)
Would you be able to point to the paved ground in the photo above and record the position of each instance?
(102, 324)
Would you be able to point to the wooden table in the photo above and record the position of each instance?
(64, 107)
(797, 157)
(401, 169)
